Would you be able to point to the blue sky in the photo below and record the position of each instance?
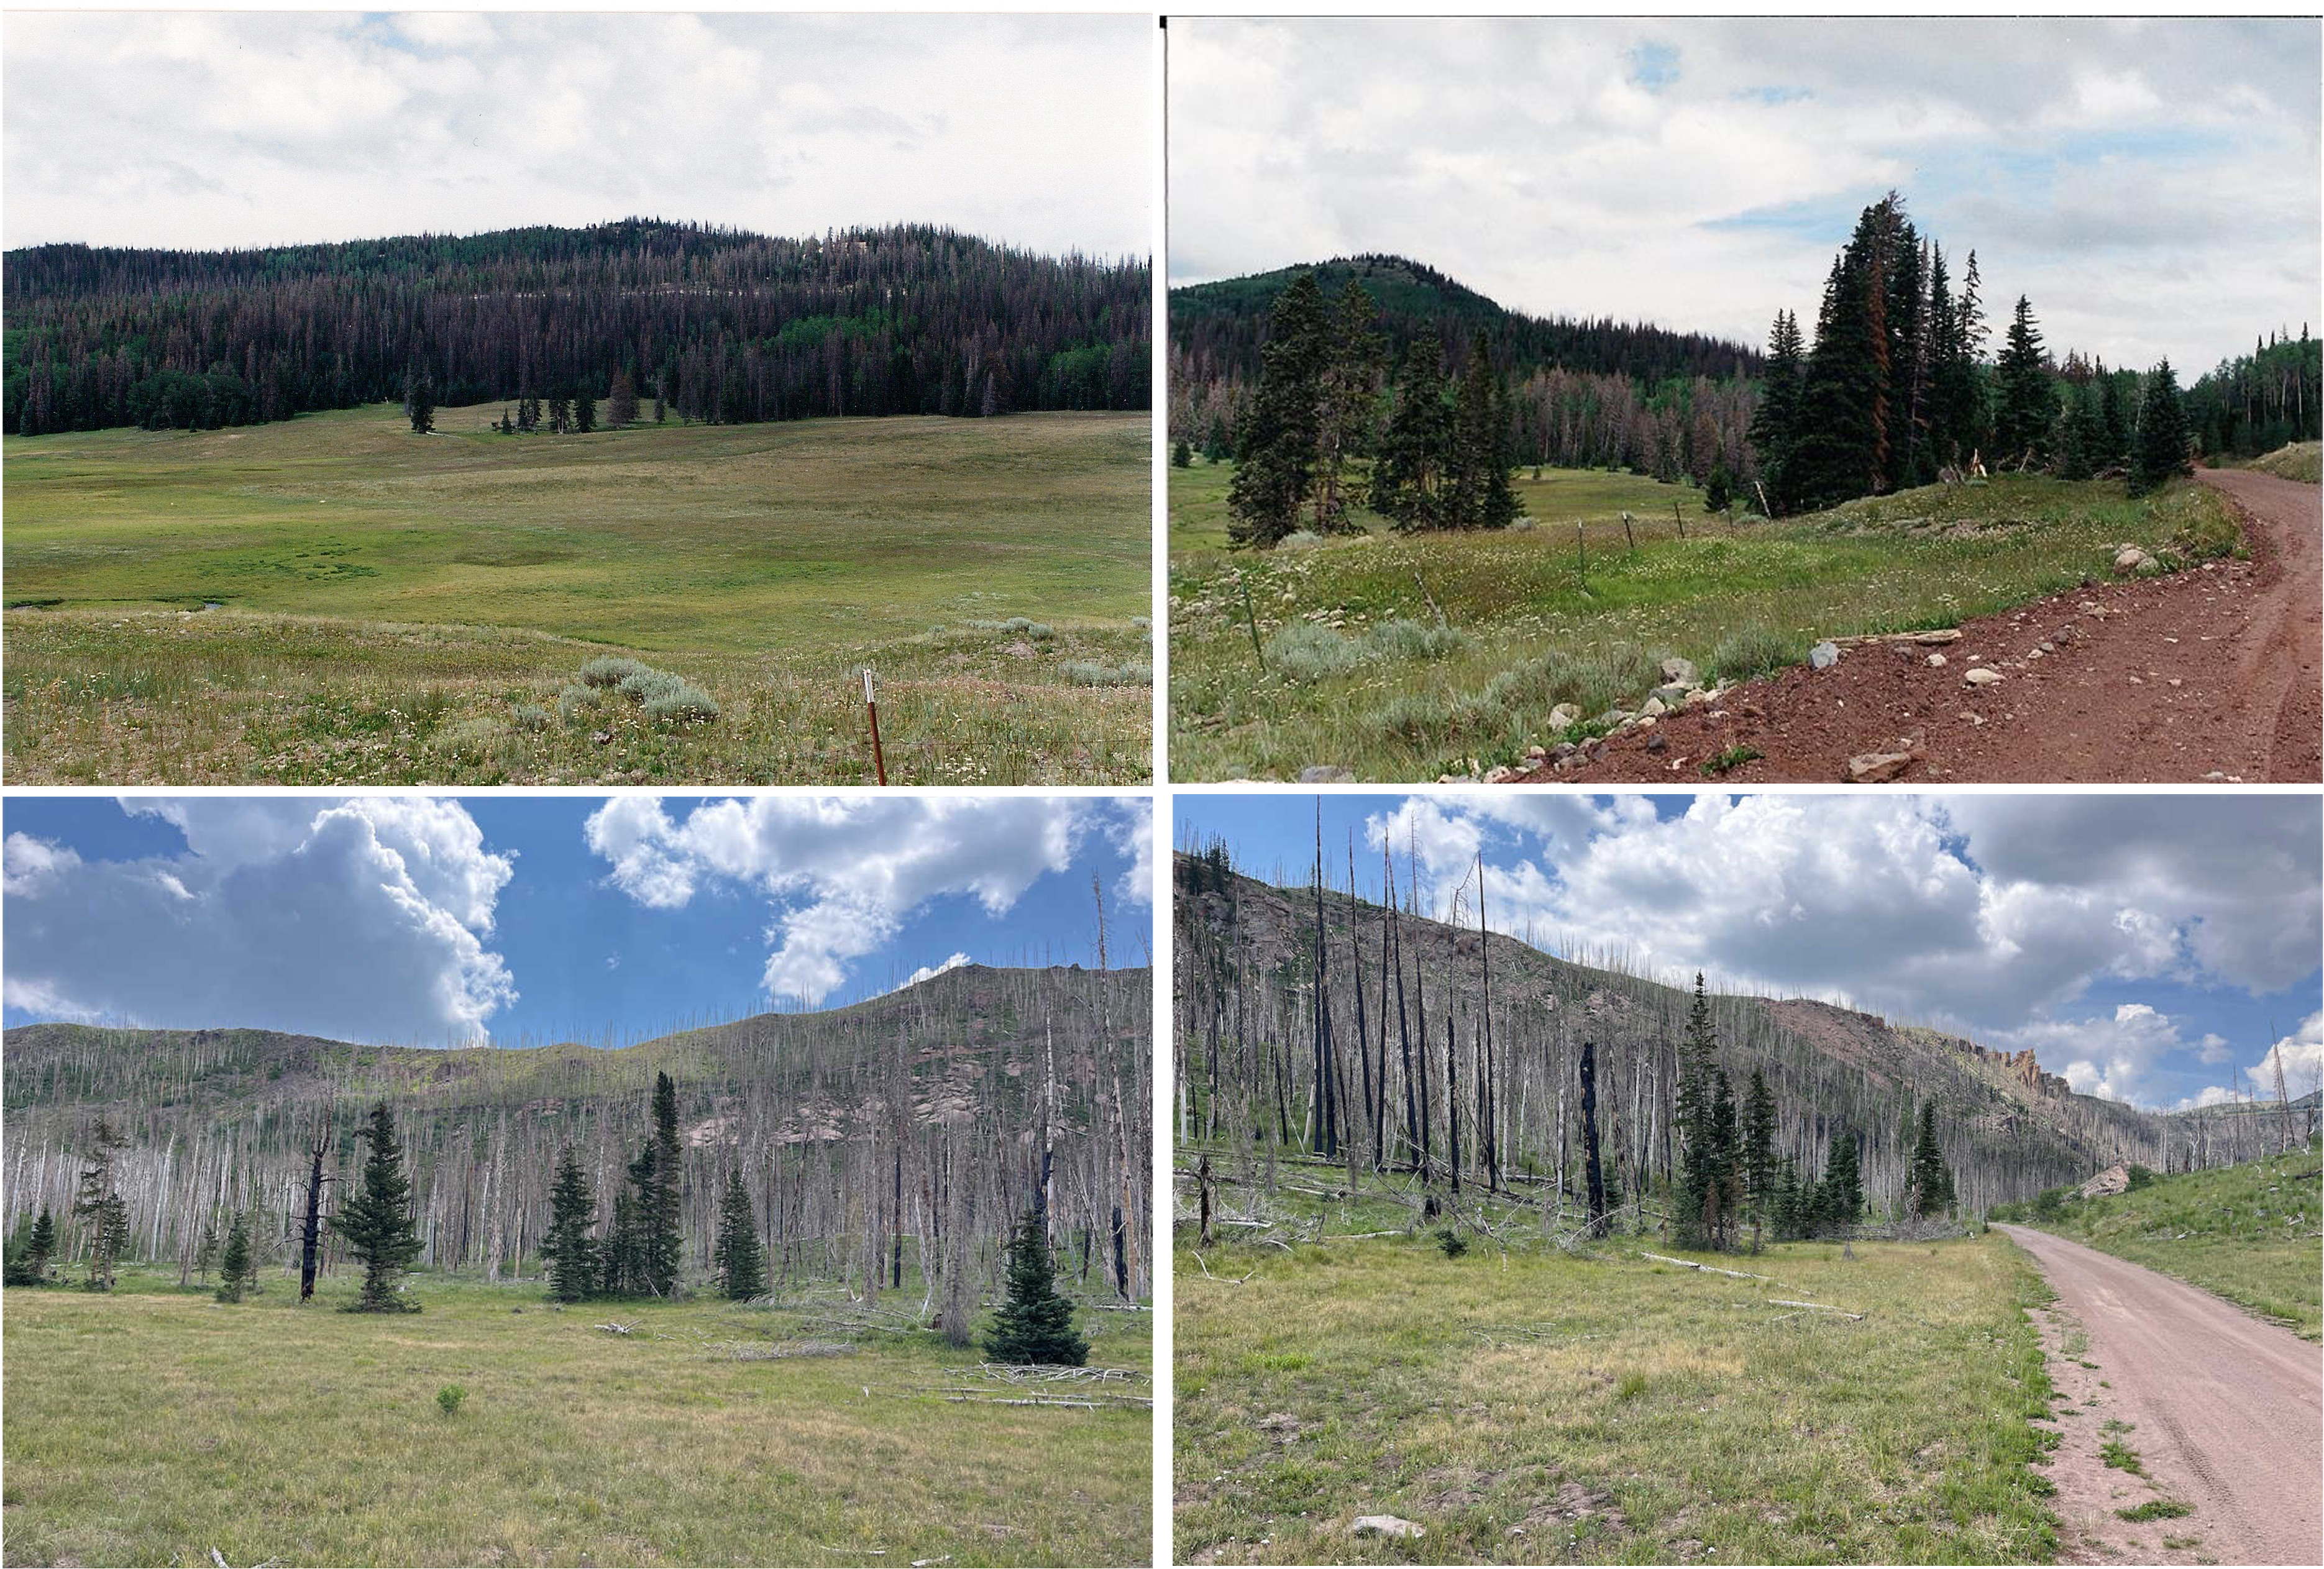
(2152, 184)
(2144, 946)
(525, 920)
(208, 129)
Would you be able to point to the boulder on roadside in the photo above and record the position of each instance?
(1564, 716)
(1824, 655)
(1680, 672)
(2130, 560)
(1983, 675)
(1385, 1525)
(1878, 767)
(2114, 1179)
(1326, 773)
(1671, 694)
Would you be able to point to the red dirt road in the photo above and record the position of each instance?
(2225, 1414)
(2210, 674)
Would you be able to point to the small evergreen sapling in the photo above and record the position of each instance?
(573, 1268)
(236, 1273)
(1035, 1324)
(742, 1266)
(376, 1221)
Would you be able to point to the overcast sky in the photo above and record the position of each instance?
(2153, 187)
(209, 130)
(2144, 946)
(434, 921)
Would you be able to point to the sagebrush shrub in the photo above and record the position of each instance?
(1305, 651)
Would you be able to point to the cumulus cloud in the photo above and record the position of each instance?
(1993, 914)
(219, 129)
(930, 972)
(1700, 172)
(365, 920)
(844, 872)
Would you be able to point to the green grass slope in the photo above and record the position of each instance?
(397, 609)
(2248, 1232)
(1540, 616)
(1541, 1407)
(155, 1426)
(2301, 460)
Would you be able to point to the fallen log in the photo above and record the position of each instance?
(1708, 1269)
(1816, 1307)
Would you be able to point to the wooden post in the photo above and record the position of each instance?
(1251, 619)
(1679, 516)
(872, 706)
(1628, 535)
(1581, 549)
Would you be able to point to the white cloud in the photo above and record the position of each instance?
(1526, 159)
(1993, 914)
(363, 920)
(213, 129)
(930, 972)
(845, 872)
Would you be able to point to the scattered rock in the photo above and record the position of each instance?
(1927, 640)
(1671, 694)
(1502, 773)
(1824, 655)
(1878, 767)
(1657, 742)
(602, 737)
(1984, 676)
(1680, 672)
(1615, 718)
(1655, 708)
(1019, 649)
(2114, 1179)
(1385, 1525)
(1564, 716)
(1326, 773)
(1936, 662)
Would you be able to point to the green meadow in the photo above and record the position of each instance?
(336, 600)
(1408, 657)
(156, 1426)
(1535, 1406)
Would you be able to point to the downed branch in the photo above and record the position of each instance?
(1710, 1268)
(1813, 1306)
(617, 1327)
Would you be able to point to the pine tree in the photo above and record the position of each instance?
(574, 1271)
(1719, 491)
(742, 1266)
(2114, 421)
(420, 399)
(1692, 1119)
(236, 1273)
(621, 401)
(1476, 494)
(1035, 1324)
(584, 413)
(2161, 452)
(661, 1204)
(1841, 451)
(206, 1253)
(1276, 463)
(2028, 398)
(622, 1273)
(376, 1220)
(98, 1204)
(1182, 456)
(1774, 424)
(1408, 476)
(560, 416)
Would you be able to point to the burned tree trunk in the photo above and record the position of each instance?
(1590, 1172)
(313, 1233)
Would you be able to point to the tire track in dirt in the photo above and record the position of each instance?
(2209, 674)
(2225, 1413)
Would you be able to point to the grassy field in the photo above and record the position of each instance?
(1406, 657)
(1537, 1407)
(335, 600)
(2247, 1232)
(152, 1425)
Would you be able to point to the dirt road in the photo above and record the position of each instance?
(2210, 674)
(2224, 1413)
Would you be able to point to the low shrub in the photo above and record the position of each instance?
(449, 1398)
(576, 702)
(1754, 650)
(531, 717)
(612, 670)
(1305, 651)
(1401, 639)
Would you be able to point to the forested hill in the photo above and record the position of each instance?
(1582, 391)
(837, 1118)
(1245, 958)
(727, 326)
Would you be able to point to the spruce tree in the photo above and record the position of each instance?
(621, 401)
(1841, 451)
(2159, 454)
(2114, 421)
(661, 1206)
(622, 1273)
(2027, 393)
(574, 1271)
(206, 1253)
(1182, 456)
(1347, 401)
(1692, 1118)
(1839, 1198)
(1774, 424)
(1276, 463)
(584, 413)
(97, 1204)
(41, 1247)
(1408, 476)
(420, 399)
(376, 1220)
(1476, 494)
(235, 1271)
(1758, 1155)
(2081, 442)
(1035, 1324)
(742, 1266)
(1931, 1182)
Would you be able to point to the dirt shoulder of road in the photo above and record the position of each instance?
(2209, 675)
